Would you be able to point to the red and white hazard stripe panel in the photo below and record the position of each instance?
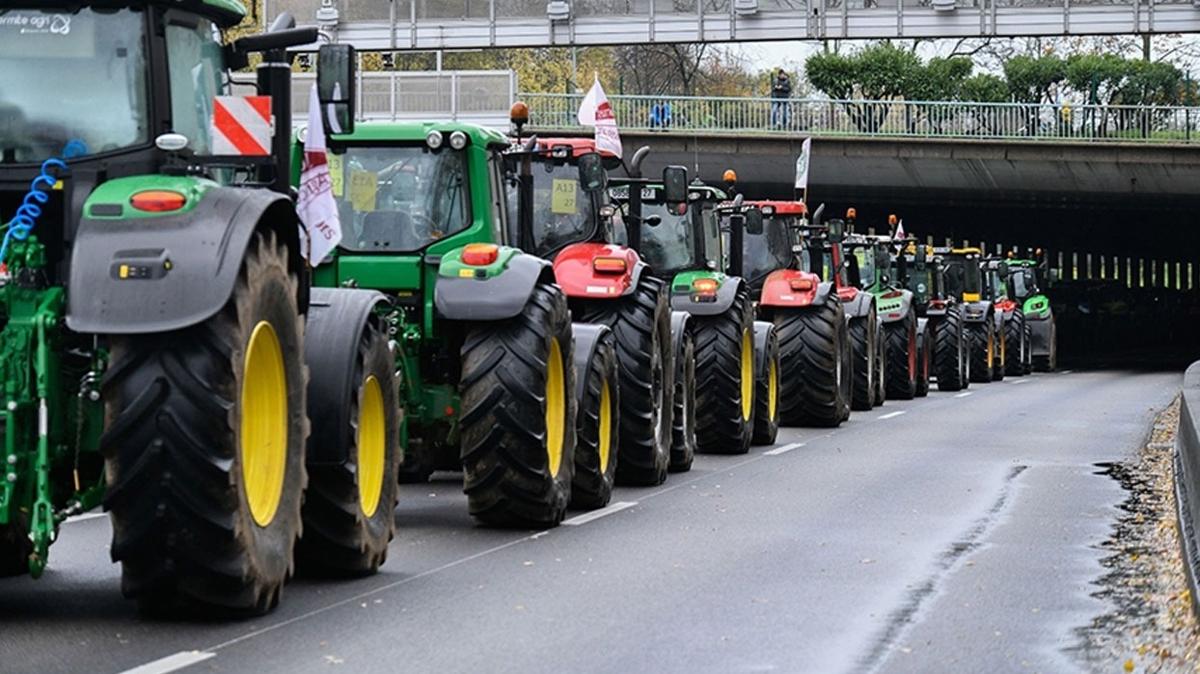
(242, 126)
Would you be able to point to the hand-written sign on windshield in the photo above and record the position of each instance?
(562, 199)
(364, 185)
(337, 174)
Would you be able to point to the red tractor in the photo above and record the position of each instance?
(810, 322)
(576, 227)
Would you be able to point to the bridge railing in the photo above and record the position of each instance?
(919, 119)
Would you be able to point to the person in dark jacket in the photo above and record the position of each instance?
(781, 91)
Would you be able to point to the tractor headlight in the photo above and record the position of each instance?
(458, 140)
(434, 140)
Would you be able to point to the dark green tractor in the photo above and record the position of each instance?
(1015, 359)
(1028, 281)
(154, 356)
(965, 283)
(940, 312)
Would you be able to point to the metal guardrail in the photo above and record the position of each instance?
(1187, 480)
(911, 119)
(481, 96)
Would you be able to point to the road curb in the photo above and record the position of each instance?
(1187, 480)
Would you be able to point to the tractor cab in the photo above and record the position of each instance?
(769, 233)
(964, 278)
(675, 240)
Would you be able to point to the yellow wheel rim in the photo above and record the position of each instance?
(372, 446)
(991, 349)
(605, 426)
(556, 409)
(747, 375)
(264, 435)
(772, 389)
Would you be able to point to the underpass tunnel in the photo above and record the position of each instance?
(1129, 265)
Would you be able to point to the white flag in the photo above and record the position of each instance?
(316, 206)
(900, 231)
(802, 165)
(595, 111)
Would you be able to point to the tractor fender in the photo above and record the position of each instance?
(588, 337)
(337, 319)
(895, 307)
(575, 273)
(681, 325)
(1042, 334)
(492, 298)
(720, 304)
(922, 326)
(144, 275)
(862, 304)
(777, 290)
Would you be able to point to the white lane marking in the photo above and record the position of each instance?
(1019, 381)
(85, 517)
(784, 449)
(171, 663)
(1066, 371)
(964, 394)
(597, 514)
(893, 415)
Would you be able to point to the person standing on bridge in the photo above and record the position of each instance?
(781, 91)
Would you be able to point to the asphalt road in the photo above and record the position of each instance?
(956, 533)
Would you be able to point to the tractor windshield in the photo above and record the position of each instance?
(563, 212)
(963, 276)
(672, 245)
(864, 256)
(995, 281)
(920, 281)
(54, 59)
(768, 251)
(1022, 284)
(399, 198)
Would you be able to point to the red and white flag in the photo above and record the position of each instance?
(316, 206)
(900, 235)
(595, 111)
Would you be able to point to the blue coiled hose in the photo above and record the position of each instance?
(39, 193)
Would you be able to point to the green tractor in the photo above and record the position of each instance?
(684, 247)
(495, 379)
(872, 267)
(944, 345)
(815, 368)
(154, 356)
(1028, 280)
(1013, 333)
(965, 283)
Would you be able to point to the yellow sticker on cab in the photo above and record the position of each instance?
(364, 186)
(337, 174)
(562, 197)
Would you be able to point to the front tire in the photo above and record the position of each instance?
(810, 358)
(518, 414)
(982, 343)
(725, 378)
(683, 421)
(766, 394)
(204, 449)
(862, 354)
(924, 346)
(349, 510)
(598, 420)
(1015, 344)
(641, 324)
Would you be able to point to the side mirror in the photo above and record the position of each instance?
(337, 86)
(675, 189)
(837, 230)
(592, 176)
(754, 221)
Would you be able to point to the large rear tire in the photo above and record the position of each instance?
(597, 422)
(862, 357)
(349, 509)
(901, 374)
(518, 414)
(683, 421)
(766, 394)
(1015, 344)
(948, 351)
(811, 389)
(725, 379)
(925, 345)
(881, 370)
(982, 343)
(641, 323)
(204, 449)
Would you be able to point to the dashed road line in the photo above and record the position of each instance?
(964, 394)
(892, 415)
(1019, 381)
(171, 663)
(784, 449)
(597, 514)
